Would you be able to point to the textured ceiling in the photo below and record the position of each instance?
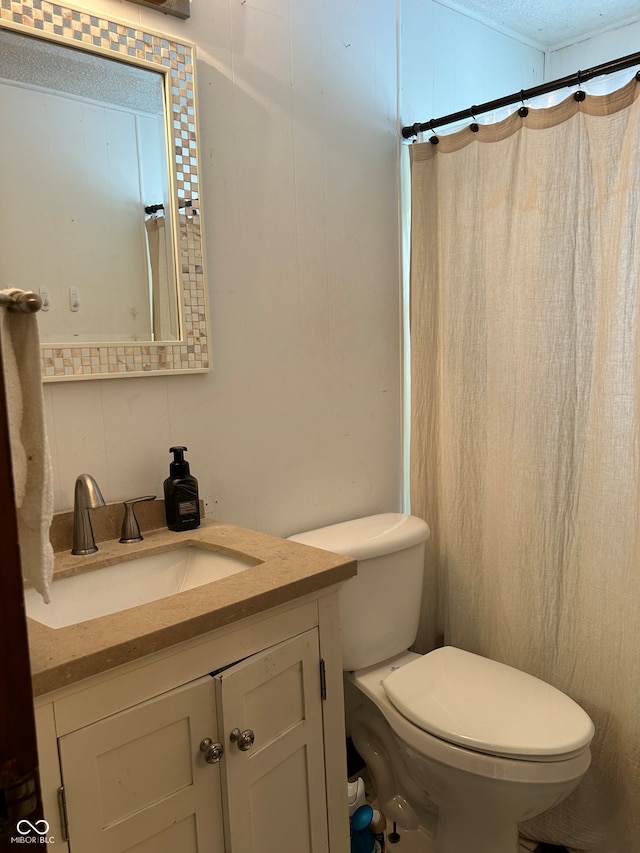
(551, 23)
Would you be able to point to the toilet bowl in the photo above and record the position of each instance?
(481, 789)
(457, 744)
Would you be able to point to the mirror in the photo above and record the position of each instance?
(100, 210)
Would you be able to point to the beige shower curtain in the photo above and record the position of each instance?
(165, 323)
(525, 339)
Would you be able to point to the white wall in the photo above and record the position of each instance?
(300, 421)
(605, 47)
(450, 61)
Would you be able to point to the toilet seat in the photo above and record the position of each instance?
(486, 706)
(513, 768)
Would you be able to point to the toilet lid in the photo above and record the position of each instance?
(486, 706)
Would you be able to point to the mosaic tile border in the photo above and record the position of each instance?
(76, 28)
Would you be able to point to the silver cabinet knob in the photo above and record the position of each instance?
(213, 752)
(244, 739)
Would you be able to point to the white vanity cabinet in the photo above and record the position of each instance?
(232, 742)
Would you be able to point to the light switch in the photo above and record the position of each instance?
(44, 296)
(74, 302)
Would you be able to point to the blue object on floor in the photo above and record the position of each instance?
(362, 839)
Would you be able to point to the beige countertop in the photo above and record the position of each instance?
(283, 571)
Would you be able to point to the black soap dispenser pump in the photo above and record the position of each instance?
(181, 504)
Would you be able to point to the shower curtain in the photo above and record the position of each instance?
(525, 387)
(162, 288)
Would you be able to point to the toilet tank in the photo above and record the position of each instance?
(380, 606)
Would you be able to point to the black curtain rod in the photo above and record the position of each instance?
(154, 208)
(576, 79)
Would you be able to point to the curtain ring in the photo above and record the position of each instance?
(433, 139)
(579, 95)
(523, 111)
(475, 127)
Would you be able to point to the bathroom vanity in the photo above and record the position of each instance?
(211, 720)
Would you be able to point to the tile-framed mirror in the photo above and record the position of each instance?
(101, 213)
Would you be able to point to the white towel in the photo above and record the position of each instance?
(32, 476)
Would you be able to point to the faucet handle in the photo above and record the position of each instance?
(130, 527)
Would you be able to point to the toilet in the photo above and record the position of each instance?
(459, 745)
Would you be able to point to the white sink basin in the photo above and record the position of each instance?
(128, 584)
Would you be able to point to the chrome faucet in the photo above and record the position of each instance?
(87, 496)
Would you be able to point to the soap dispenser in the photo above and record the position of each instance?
(181, 505)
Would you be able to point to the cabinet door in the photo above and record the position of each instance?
(138, 782)
(274, 792)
